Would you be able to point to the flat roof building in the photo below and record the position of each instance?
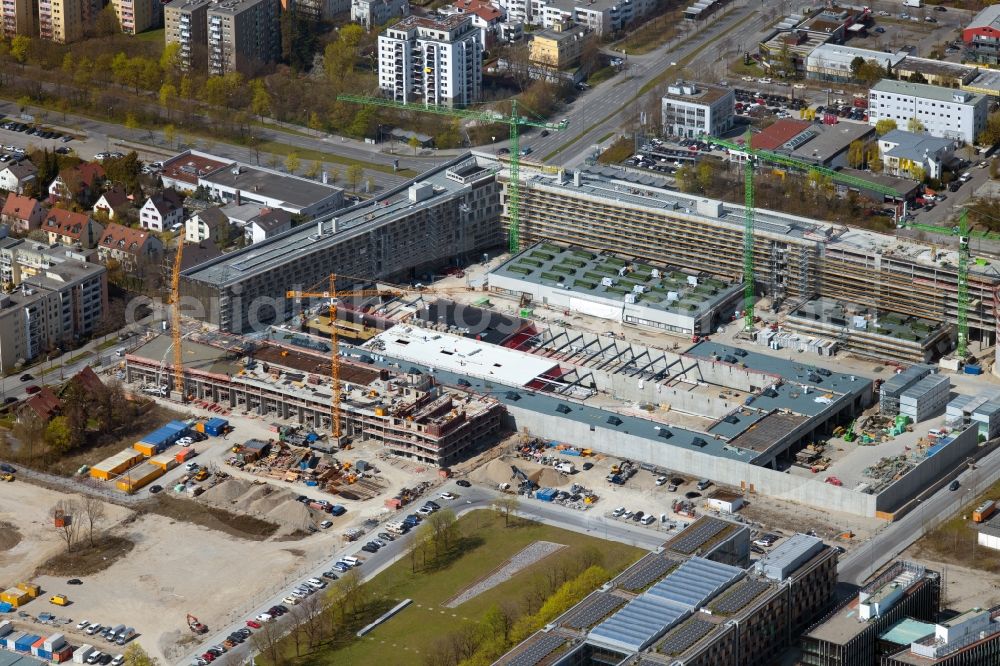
(832, 62)
(848, 635)
(609, 287)
(273, 189)
(691, 109)
(943, 112)
(451, 211)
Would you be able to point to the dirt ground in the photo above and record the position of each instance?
(84, 559)
(10, 536)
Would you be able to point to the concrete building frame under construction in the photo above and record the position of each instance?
(413, 415)
(795, 258)
(450, 212)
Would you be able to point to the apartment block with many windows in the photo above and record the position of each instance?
(135, 16)
(186, 24)
(60, 20)
(18, 17)
(243, 35)
(430, 60)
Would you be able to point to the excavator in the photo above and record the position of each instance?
(196, 626)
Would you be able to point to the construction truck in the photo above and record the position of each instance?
(849, 436)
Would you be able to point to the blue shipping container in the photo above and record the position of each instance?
(216, 426)
(973, 370)
(5, 607)
(569, 452)
(24, 643)
(44, 654)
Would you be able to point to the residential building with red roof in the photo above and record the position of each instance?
(22, 214)
(129, 247)
(778, 134)
(70, 228)
(484, 15)
(112, 203)
(83, 181)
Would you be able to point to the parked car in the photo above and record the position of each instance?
(10, 469)
(954, 485)
(33, 389)
(82, 624)
(253, 623)
(385, 536)
(463, 483)
(330, 574)
(447, 496)
(27, 377)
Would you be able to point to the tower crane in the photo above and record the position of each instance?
(175, 323)
(961, 230)
(514, 121)
(332, 295)
(749, 210)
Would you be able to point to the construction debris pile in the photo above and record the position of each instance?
(282, 461)
(407, 495)
(265, 501)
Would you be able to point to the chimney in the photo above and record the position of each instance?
(239, 200)
(576, 178)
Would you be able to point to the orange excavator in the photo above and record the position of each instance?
(196, 626)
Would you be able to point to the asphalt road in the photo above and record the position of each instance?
(476, 497)
(935, 508)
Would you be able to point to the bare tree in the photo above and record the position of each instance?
(507, 506)
(311, 611)
(64, 517)
(94, 512)
(29, 431)
(266, 641)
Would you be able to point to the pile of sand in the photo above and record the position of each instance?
(498, 471)
(264, 501)
(225, 493)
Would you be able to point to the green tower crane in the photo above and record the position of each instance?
(514, 121)
(748, 239)
(963, 285)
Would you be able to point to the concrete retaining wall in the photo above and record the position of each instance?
(726, 471)
(930, 470)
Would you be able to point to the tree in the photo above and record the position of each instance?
(170, 58)
(884, 126)
(261, 102)
(918, 173)
(506, 506)
(856, 154)
(267, 641)
(414, 143)
(914, 125)
(168, 96)
(64, 518)
(355, 173)
(292, 162)
(991, 135)
(19, 47)
(170, 135)
(136, 656)
(107, 22)
(94, 512)
(58, 435)
(314, 169)
(706, 174)
(856, 64)
(29, 430)
(131, 122)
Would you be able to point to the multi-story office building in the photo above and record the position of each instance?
(59, 296)
(943, 112)
(373, 13)
(186, 24)
(134, 16)
(982, 37)
(60, 20)
(450, 212)
(691, 109)
(243, 35)
(434, 61)
(687, 605)
(971, 638)
(848, 635)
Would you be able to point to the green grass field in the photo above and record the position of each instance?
(411, 633)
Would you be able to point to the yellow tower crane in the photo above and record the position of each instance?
(333, 296)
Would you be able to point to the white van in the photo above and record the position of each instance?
(350, 560)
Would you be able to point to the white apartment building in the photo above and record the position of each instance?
(373, 13)
(432, 60)
(944, 112)
(604, 17)
(690, 109)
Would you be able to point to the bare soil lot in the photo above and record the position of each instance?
(199, 513)
(85, 559)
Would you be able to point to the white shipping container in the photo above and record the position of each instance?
(81, 654)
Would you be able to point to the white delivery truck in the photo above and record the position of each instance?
(81, 653)
(913, 3)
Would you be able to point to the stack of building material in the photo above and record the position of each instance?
(926, 398)
(893, 388)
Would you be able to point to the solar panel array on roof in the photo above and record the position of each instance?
(538, 650)
(647, 570)
(645, 618)
(696, 535)
(685, 636)
(593, 610)
(740, 595)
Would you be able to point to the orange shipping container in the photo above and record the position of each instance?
(184, 454)
(148, 450)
